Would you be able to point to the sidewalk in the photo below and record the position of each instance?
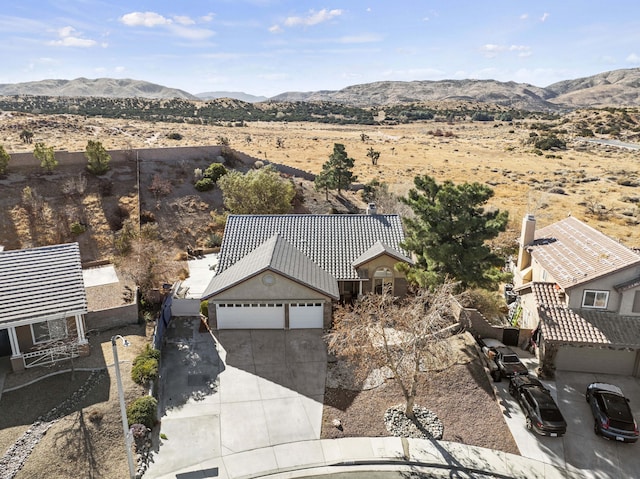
(364, 455)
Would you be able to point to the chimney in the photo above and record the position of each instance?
(371, 209)
(526, 238)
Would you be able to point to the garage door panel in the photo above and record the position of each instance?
(306, 315)
(595, 360)
(254, 316)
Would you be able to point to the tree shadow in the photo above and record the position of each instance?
(77, 438)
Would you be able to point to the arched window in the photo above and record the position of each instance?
(382, 279)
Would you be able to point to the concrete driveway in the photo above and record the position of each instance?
(580, 450)
(235, 391)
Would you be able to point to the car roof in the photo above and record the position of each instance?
(505, 350)
(527, 380)
(606, 387)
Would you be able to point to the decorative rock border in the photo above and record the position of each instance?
(425, 426)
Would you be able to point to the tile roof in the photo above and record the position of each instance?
(378, 249)
(574, 253)
(332, 242)
(589, 327)
(278, 255)
(41, 282)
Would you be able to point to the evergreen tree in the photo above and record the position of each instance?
(336, 173)
(449, 232)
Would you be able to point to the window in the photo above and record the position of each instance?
(382, 279)
(595, 299)
(636, 303)
(49, 330)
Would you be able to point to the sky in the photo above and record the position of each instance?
(267, 47)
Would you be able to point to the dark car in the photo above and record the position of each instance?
(611, 412)
(541, 412)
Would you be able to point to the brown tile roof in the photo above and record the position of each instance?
(563, 325)
(574, 253)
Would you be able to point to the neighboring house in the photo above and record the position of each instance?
(42, 305)
(580, 293)
(285, 271)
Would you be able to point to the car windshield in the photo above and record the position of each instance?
(511, 359)
(551, 415)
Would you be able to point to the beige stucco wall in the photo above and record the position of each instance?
(399, 280)
(606, 284)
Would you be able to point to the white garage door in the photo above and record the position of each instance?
(305, 315)
(594, 360)
(250, 316)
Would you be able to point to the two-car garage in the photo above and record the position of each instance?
(269, 315)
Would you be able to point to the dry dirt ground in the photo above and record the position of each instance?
(88, 443)
(461, 396)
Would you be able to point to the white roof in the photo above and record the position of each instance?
(44, 282)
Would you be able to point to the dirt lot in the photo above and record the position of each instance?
(461, 397)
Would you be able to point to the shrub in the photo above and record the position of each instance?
(147, 217)
(214, 171)
(77, 228)
(214, 240)
(145, 366)
(549, 142)
(144, 411)
(174, 136)
(204, 308)
(205, 184)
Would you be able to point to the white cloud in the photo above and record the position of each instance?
(313, 18)
(491, 50)
(524, 16)
(145, 19)
(633, 58)
(68, 37)
(184, 20)
(207, 18)
(275, 29)
(179, 25)
(544, 17)
(119, 69)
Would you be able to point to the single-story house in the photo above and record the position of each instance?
(286, 271)
(580, 293)
(42, 305)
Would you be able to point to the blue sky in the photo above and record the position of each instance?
(266, 47)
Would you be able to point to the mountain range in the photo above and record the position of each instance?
(613, 88)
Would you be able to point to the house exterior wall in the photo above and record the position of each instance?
(606, 283)
(283, 290)
(104, 319)
(399, 280)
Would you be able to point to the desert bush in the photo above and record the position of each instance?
(205, 184)
(75, 185)
(143, 410)
(145, 366)
(214, 172)
(481, 116)
(630, 199)
(147, 216)
(197, 174)
(105, 187)
(628, 182)
(4, 160)
(556, 190)
(160, 186)
(204, 308)
(149, 232)
(549, 142)
(214, 240)
(77, 228)
(490, 303)
(222, 140)
(95, 416)
(174, 136)
(258, 164)
(97, 158)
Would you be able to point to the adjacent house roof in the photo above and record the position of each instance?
(589, 327)
(332, 242)
(574, 253)
(277, 255)
(43, 282)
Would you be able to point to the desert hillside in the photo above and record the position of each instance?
(596, 183)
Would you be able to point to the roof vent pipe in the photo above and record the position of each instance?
(371, 209)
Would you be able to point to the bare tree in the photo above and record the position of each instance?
(408, 336)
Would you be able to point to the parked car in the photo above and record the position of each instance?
(541, 412)
(507, 363)
(611, 412)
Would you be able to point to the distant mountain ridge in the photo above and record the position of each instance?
(99, 87)
(616, 88)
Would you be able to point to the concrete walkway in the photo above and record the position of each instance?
(364, 455)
